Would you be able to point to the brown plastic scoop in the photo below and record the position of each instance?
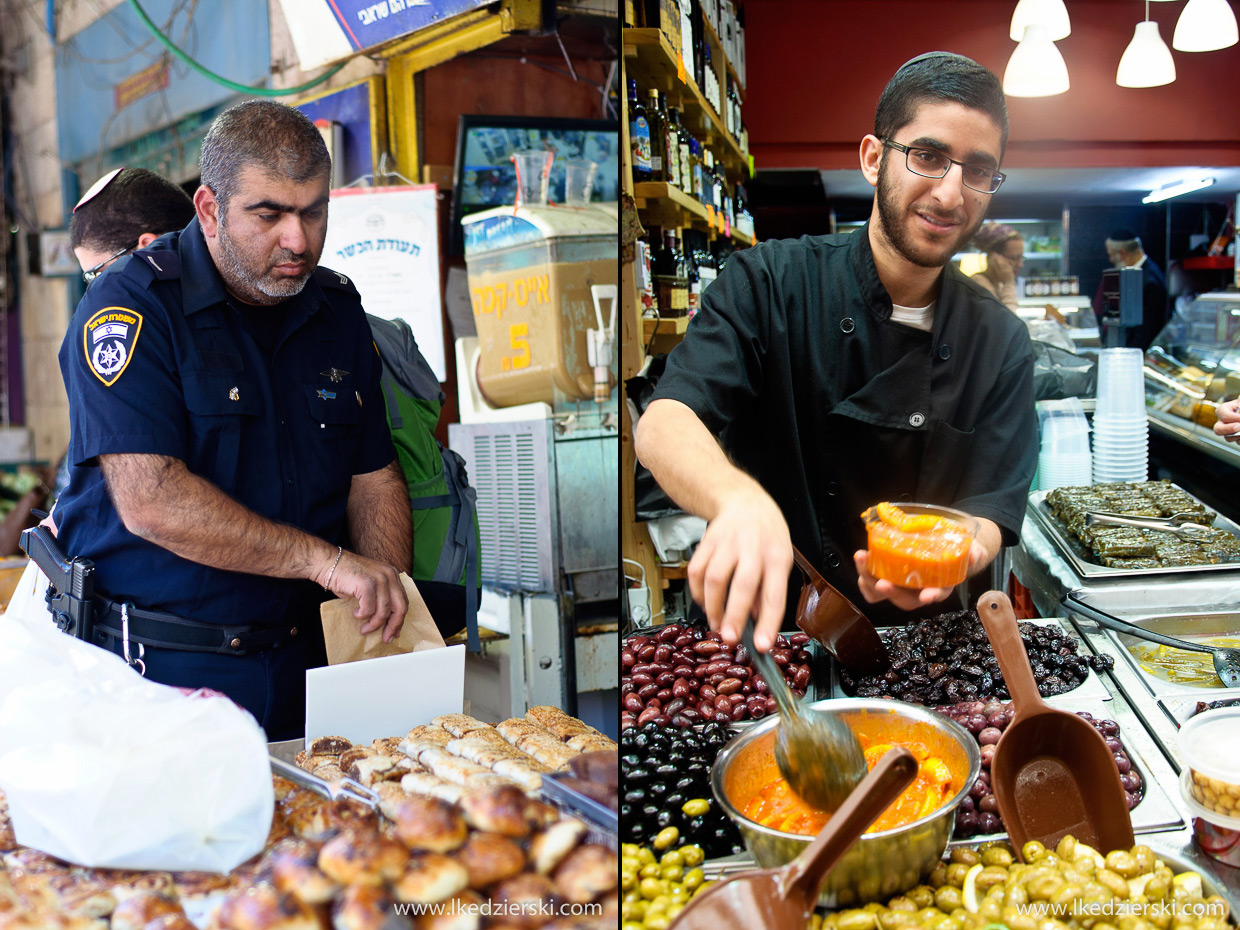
(787, 896)
(835, 622)
(1052, 773)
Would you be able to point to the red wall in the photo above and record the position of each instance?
(816, 69)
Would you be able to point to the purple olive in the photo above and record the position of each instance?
(1114, 745)
(1122, 763)
(1132, 799)
(989, 736)
(1085, 715)
(977, 722)
(989, 804)
(984, 778)
(966, 804)
(989, 823)
(997, 719)
(966, 822)
(988, 754)
(1109, 728)
(1129, 781)
(979, 789)
(992, 707)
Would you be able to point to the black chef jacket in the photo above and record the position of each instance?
(793, 361)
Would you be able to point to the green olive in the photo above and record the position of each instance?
(1017, 919)
(692, 879)
(922, 896)
(1145, 857)
(644, 855)
(938, 877)
(695, 807)
(672, 857)
(989, 910)
(649, 871)
(672, 873)
(990, 876)
(628, 879)
(1067, 847)
(997, 855)
(1033, 851)
(1123, 863)
(637, 910)
(1114, 882)
(856, 920)
(658, 922)
(901, 903)
(947, 898)
(651, 888)
(964, 855)
(956, 872)
(631, 925)
(666, 838)
(1045, 887)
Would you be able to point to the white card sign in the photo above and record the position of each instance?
(387, 241)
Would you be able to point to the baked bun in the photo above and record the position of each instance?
(496, 809)
(365, 907)
(68, 893)
(199, 884)
(429, 824)
(264, 907)
(282, 787)
(431, 786)
(552, 846)
(461, 912)
(125, 883)
(363, 857)
(540, 814)
(490, 858)
(321, 822)
(294, 867)
(170, 922)
(524, 901)
(586, 873)
(431, 878)
(136, 912)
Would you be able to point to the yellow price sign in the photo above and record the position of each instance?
(518, 334)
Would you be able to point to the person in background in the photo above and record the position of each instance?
(1004, 249)
(229, 455)
(826, 374)
(1227, 426)
(1125, 251)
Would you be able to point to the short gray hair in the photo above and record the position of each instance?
(277, 138)
(1125, 245)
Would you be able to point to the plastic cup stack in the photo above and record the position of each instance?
(1064, 457)
(1121, 429)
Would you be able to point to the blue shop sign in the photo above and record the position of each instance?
(367, 23)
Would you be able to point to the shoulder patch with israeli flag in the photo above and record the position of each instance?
(109, 339)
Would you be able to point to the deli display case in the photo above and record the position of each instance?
(1191, 367)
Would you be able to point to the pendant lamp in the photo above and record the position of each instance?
(1204, 26)
(1036, 68)
(1050, 13)
(1147, 61)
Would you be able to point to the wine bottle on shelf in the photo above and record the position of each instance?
(639, 135)
(1225, 235)
(671, 278)
(671, 147)
(655, 116)
(686, 158)
(695, 150)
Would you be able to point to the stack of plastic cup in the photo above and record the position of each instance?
(1064, 458)
(1121, 429)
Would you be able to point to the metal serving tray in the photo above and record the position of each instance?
(1091, 689)
(1072, 551)
(1186, 623)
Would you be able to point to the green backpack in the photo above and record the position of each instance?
(445, 518)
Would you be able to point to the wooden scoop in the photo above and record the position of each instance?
(1052, 773)
(786, 897)
(833, 620)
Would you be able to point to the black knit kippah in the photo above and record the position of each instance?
(925, 56)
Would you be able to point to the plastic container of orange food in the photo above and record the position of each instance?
(919, 545)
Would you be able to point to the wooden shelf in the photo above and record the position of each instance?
(651, 60)
(663, 204)
(676, 326)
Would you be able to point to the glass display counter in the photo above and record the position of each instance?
(1193, 366)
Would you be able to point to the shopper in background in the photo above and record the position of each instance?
(228, 437)
(1227, 426)
(1004, 249)
(1124, 250)
(827, 374)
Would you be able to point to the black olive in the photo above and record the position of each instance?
(674, 800)
(657, 789)
(685, 783)
(665, 769)
(650, 811)
(636, 776)
(651, 728)
(635, 796)
(663, 819)
(675, 757)
(631, 760)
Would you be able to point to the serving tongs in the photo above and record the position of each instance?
(1183, 525)
(345, 788)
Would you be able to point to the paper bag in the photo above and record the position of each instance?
(345, 644)
(105, 769)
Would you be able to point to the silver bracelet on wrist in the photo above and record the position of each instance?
(327, 586)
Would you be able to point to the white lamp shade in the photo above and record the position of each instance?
(1050, 13)
(1147, 61)
(1036, 69)
(1205, 25)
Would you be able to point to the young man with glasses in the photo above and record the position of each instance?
(827, 374)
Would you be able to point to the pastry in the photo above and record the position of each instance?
(526, 901)
(199, 884)
(514, 728)
(496, 809)
(430, 878)
(558, 722)
(431, 786)
(323, 821)
(591, 742)
(426, 824)
(461, 912)
(430, 733)
(137, 911)
(484, 752)
(587, 872)
(552, 846)
(366, 907)
(329, 745)
(294, 867)
(526, 773)
(263, 907)
(547, 749)
(386, 745)
(460, 724)
(363, 857)
(490, 858)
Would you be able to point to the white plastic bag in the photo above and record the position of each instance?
(104, 768)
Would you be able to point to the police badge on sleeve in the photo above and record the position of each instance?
(109, 338)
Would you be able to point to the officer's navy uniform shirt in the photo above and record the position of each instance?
(795, 363)
(158, 360)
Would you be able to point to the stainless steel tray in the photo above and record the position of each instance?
(1091, 689)
(1071, 549)
(1221, 623)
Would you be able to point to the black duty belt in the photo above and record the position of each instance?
(165, 631)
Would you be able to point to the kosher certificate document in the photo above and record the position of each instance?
(386, 240)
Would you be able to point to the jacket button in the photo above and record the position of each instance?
(945, 352)
(847, 325)
(915, 420)
(833, 488)
(293, 631)
(833, 559)
(236, 643)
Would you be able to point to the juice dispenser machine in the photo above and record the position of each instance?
(542, 282)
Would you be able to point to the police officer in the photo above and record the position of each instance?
(230, 458)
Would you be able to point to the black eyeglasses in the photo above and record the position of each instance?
(92, 273)
(931, 164)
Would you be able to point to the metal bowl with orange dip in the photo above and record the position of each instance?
(919, 545)
(778, 806)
